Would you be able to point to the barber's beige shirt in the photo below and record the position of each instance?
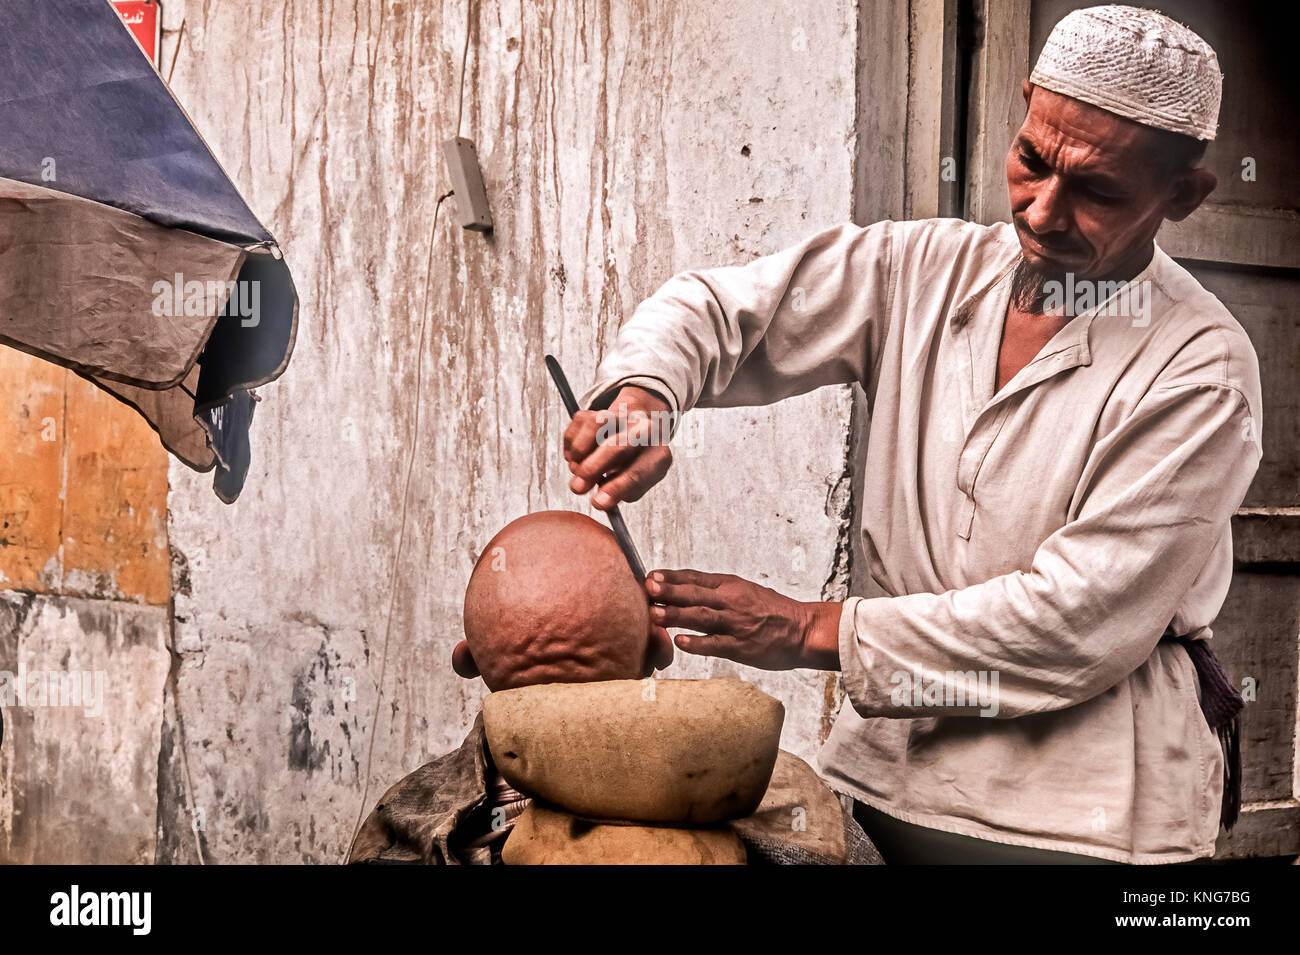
(1045, 536)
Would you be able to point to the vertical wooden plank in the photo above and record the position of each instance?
(925, 86)
(1000, 64)
(880, 113)
(1255, 637)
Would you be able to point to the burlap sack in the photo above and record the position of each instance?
(544, 836)
(799, 814)
(676, 752)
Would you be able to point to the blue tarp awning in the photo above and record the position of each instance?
(126, 253)
(76, 89)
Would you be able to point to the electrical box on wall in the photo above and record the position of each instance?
(467, 184)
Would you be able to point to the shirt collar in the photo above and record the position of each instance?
(1069, 348)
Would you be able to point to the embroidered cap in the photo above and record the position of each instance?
(1135, 63)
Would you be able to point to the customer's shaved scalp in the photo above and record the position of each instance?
(553, 600)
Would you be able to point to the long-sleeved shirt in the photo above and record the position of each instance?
(1032, 544)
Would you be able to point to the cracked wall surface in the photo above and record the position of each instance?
(79, 766)
(84, 589)
(620, 142)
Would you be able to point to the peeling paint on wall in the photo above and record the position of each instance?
(621, 142)
(78, 774)
(83, 489)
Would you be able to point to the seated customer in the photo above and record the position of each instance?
(552, 600)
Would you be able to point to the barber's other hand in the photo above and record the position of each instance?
(743, 621)
(620, 452)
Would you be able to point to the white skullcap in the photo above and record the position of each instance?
(1135, 63)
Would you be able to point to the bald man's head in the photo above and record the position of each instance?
(553, 600)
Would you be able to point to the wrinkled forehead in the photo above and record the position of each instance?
(1070, 134)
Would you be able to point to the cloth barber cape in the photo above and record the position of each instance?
(1046, 536)
(126, 253)
(442, 813)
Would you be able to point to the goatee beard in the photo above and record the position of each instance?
(1029, 286)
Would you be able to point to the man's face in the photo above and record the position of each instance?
(1088, 190)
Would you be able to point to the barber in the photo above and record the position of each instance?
(1050, 476)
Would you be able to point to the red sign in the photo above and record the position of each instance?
(145, 20)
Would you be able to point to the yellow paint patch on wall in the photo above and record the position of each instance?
(83, 489)
(31, 471)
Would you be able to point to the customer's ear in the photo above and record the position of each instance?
(462, 661)
(658, 650)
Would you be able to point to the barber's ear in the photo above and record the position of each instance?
(462, 661)
(1026, 90)
(1189, 191)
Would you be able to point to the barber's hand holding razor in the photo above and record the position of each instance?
(620, 452)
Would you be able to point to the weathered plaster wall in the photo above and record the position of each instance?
(621, 141)
(79, 766)
(84, 589)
